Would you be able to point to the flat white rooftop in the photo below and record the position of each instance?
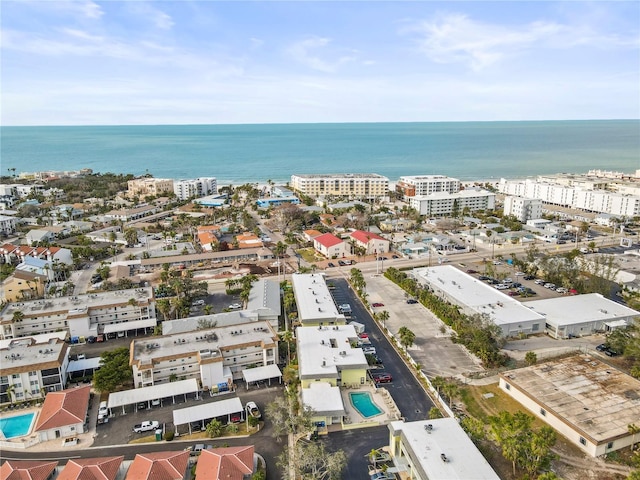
(588, 394)
(323, 351)
(314, 301)
(575, 309)
(206, 343)
(32, 353)
(324, 399)
(76, 304)
(446, 437)
(476, 295)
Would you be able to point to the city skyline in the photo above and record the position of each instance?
(124, 63)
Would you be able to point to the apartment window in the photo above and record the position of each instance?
(507, 386)
(33, 374)
(15, 375)
(543, 412)
(609, 445)
(583, 441)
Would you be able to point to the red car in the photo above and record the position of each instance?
(363, 335)
(471, 271)
(377, 304)
(381, 377)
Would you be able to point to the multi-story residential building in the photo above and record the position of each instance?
(314, 301)
(594, 199)
(143, 187)
(524, 209)
(370, 242)
(32, 366)
(437, 448)
(212, 355)
(412, 185)
(23, 285)
(361, 185)
(199, 187)
(7, 225)
(128, 214)
(15, 254)
(24, 191)
(81, 315)
(7, 202)
(444, 203)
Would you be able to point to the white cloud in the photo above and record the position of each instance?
(157, 17)
(456, 38)
(303, 52)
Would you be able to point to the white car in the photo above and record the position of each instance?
(235, 306)
(197, 303)
(502, 286)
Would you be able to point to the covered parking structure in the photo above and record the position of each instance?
(261, 373)
(82, 368)
(147, 394)
(205, 411)
(125, 327)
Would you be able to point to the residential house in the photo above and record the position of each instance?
(102, 468)
(370, 242)
(7, 225)
(248, 240)
(330, 246)
(208, 237)
(28, 470)
(159, 465)
(226, 463)
(63, 414)
(310, 234)
(23, 285)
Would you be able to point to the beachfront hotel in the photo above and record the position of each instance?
(361, 185)
(142, 187)
(199, 187)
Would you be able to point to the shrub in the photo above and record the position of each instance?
(168, 436)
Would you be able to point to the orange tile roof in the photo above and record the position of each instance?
(67, 407)
(103, 468)
(159, 466)
(312, 233)
(26, 470)
(230, 463)
(248, 240)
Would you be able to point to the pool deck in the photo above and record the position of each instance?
(353, 419)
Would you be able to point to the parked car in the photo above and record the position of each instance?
(611, 353)
(483, 277)
(198, 448)
(142, 405)
(562, 290)
(331, 264)
(497, 262)
(253, 410)
(602, 347)
(382, 377)
(539, 281)
(513, 293)
(383, 476)
(155, 402)
(369, 350)
(550, 286)
(102, 409)
(235, 306)
(529, 277)
(197, 303)
(100, 338)
(395, 256)
(91, 339)
(236, 417)
(502, 286)
(471, 271)
(377, 304)
(146, 426)
(412, 301)
(341, 263)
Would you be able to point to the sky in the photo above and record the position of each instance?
(68, 62)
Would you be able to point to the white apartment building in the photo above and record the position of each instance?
(81, 315)
(7, 225)
(524, 209)
(597, 200)
(412, 185)
(362, 185)
(142, 187)
(315, 303)
(444, 203)
(32, 366)
(199, 187)
(212, 356)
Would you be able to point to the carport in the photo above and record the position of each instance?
(146, 394)
(126, 326)
(261, 373)
(199, 413)
(84, 365)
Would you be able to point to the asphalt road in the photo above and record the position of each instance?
(411, 399)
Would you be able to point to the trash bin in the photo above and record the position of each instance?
(158, 435)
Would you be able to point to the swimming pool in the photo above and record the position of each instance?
(364, 404)
(16, 426)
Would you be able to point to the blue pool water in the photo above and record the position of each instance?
(17, 426)
(363, 403)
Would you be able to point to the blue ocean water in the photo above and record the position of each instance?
(256, 153)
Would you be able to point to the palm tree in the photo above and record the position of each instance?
(383, 317)
(10, 391)
(451, 390)
(287, 337)
(633, 430)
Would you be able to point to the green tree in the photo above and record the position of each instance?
(434, 412)
(312, 461)
(215, 428)
(531, 358)
(633, 430)
(114, 371)
(407, 337)
(130, 236)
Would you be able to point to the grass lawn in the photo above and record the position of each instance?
(309, 255)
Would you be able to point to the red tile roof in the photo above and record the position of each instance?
(103, 468)
(365, 237)
(327, 240)
(26, 470)
(159, 466)
(231, 463)
(67, 407)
